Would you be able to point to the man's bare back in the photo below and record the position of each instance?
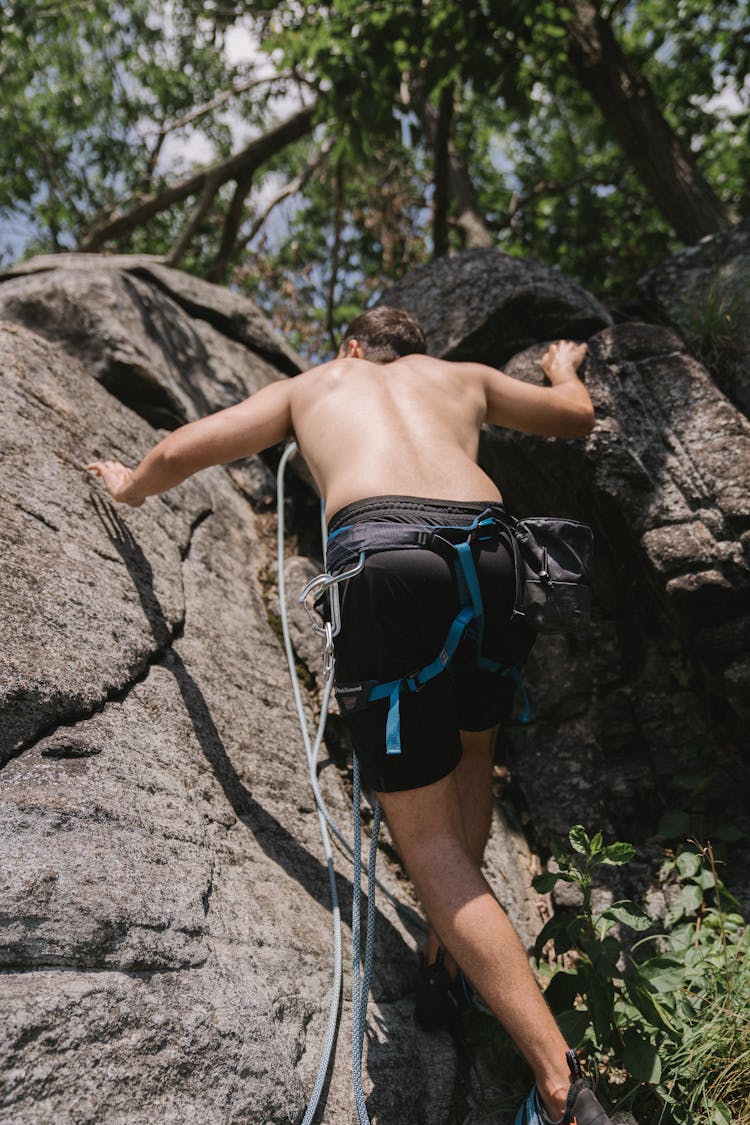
(409, 427)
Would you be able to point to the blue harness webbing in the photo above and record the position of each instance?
(468, 622)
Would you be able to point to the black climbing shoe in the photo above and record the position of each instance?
(581, 1107)
(440, 999)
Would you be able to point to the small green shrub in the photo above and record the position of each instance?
(667, 1019)
(714, 319)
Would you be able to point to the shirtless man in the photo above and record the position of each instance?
(382, 427)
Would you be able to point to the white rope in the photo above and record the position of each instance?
(360, 983)
(311, 752)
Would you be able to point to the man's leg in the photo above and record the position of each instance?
(474, 783)
(429, 833)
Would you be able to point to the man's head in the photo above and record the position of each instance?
(383, 334)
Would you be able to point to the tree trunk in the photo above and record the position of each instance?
(441, 173)
(469, 218)
(665, 166)
(217, 271)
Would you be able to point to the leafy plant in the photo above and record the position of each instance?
(714, 319)
(670, 1029)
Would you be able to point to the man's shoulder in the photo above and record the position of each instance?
(318, 374)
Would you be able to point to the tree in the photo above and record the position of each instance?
(666, 166)
(380, 133)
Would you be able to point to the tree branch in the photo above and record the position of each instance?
(219, 100)
(234, 167)
(218, 267)
(335, 252)
(179, 249)
(289, 189)
(469, 218)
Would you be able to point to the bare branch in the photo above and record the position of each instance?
(217, 269)
(220, 100)
(148, 173)
(289, 189)
(179, 249)
(335, 252)
(56, 185)
(233, 167)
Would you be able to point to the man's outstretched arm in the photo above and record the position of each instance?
(260, 421)
(561, 410)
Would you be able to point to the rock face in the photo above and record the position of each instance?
(128, 323)
(165, 928)
(486, 306)
(703, 292)
(631, 708)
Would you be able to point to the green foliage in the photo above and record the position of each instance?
(88, 87)
(85, 91)
(667, 1018)
(714, 322)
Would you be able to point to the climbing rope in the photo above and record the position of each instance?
(311, 752)
(360, 977)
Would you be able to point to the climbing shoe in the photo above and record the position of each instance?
(581, 1107)
(440, 999)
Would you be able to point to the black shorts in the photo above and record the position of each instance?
(395, 619)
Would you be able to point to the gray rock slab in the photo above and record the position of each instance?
(74, 632)
(137, 341)
(165, 929)
(234, 315)
(703, 292)
(485, 305)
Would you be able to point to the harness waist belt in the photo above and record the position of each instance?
(452, 542)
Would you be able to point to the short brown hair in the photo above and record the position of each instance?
(386, 333)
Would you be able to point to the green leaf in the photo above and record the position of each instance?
(564, 928)
(652, 1011)
(663, 974)
(641, 1058)
(573, 1024)
(579, 839)
(688, 864)
(604, 957)
(616, 854)
(562, 990)
(625, 912)
(691, 898)
(545, 883)
(599, 1001)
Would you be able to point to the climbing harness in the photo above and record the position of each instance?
(455, 544)
(327, 585)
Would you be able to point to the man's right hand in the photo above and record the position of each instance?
(562, 359)
(118, 480)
